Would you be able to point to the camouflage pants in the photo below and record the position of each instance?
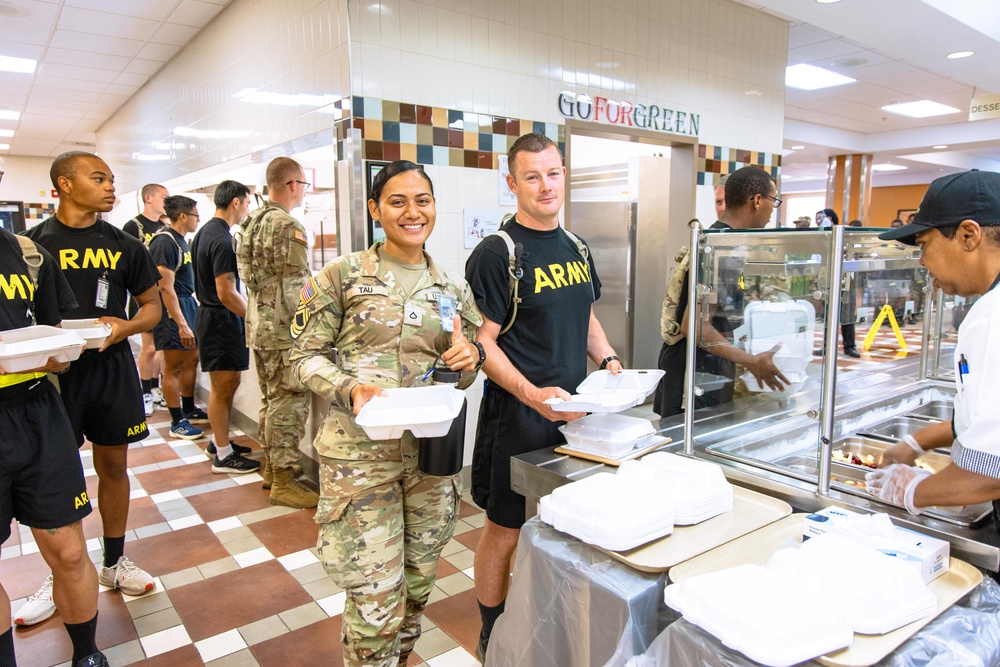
(284, 408)
(383, 526)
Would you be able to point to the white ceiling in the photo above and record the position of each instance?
(896, 49)
(93, 56)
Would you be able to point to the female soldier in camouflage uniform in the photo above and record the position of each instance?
(383, 523)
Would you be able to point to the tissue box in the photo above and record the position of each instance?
(928, 554)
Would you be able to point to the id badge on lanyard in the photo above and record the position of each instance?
(103, 289)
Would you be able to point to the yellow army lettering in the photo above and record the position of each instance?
(187, 258)
(137, 429)
(80, 501)
(14, 285)
(96, 259)
(573, 274)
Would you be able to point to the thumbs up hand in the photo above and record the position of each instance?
(462, 355)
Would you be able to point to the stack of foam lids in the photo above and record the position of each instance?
(805, 602)
(639, 504)
(603, 391)
(607, 434)
(32, 347)
(699, 489)
(790, 323)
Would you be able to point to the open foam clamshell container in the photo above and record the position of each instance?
(790, 323)
(604, 392)
(427, 412)
(92, 331)
(32, 347)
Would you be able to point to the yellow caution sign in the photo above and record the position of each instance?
(884, 313)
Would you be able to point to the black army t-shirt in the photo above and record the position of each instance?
(54, 296)
(548, 342)
(149, 227)
(212, 250)
(94, 255)
(170, 252)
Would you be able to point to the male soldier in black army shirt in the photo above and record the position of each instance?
(40, 471)
(101, 391)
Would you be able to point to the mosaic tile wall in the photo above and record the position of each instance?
(448, 137)
(715, 161)
(38, 211)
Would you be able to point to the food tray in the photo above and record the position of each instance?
(893, 430)
(642, 446)
(427, 412)
(31, 347)
(934, 411)
(93, 332)
(757, 547)
(751, 510)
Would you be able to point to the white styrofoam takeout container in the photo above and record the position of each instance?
(31, 347)
(602, 391)
(93, 332)
(427, 412)
(606, 434)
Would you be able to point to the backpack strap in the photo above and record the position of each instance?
(514, 272)
(165, 231)
(33, 259)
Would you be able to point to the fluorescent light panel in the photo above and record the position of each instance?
(810, 77)
(888, 167)
(18, 65)
(921, 109)
(6, 133)
(9, 115)
(4, 147)
(960, 54)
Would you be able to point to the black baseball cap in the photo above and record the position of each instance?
(969, 195)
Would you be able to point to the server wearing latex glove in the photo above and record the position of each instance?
(958, 229)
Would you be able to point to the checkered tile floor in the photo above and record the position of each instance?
(884, 347)
(238, 581)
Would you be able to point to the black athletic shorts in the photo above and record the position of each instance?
(41, 478)
(222, 340)
(507, 427)
(166, 335)
(103, 397)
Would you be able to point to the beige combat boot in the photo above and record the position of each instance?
(267, 474)
(287, 491)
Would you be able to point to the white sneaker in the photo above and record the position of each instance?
(158, 397)
(126, 577)
(39, 606)
(147, 402)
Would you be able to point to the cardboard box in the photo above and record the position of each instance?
(928, 554)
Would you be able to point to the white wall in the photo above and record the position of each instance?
(26, 179)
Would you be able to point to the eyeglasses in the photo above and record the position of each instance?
(777, 202)
(193, 215)
(303, 183)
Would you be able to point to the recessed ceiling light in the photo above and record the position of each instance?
(755, 93)
(940, 146)
(19, 65)
(961, 54)
(810, 77)
(9, 115)
(797, 148)
(4, 147)
(887, 167)
(6, 133)
(827, 2)
(921, 109)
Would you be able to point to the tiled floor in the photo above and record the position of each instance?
(239, 582)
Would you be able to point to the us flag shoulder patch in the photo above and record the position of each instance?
(308, 291)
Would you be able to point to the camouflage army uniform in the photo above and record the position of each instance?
(271, 258)
(383, 522)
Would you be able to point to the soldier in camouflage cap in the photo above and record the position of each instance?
(389, 312)
(271, 259)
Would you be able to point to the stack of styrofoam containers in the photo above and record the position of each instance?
(806, 602)
(93, 332)
(699, 490)
(610, 512)
(790, 323)
(607, 434)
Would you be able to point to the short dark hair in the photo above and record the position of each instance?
(177, 204)
(529, 143)
(149, 189)
(854, 223)
(227, 191)
(744, 184)
(395, 169)
(990, 232)
(65, 165)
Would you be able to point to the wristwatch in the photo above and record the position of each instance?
(604, 364)
(482, 356)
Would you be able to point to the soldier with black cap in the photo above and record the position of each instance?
(958, 229)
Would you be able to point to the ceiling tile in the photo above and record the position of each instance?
(64, 94)
(131, 79)
(153, 51)
(175, 34)
(194, 13)
(154, 10)
(803, 34)
(41, 14)
(85, 59)
(115, 46)
(139, 66)
(21, 50)
(109, 25)
(67, 84)
(23, 34)
(83, 74)
(119, 89)
(821, 51)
